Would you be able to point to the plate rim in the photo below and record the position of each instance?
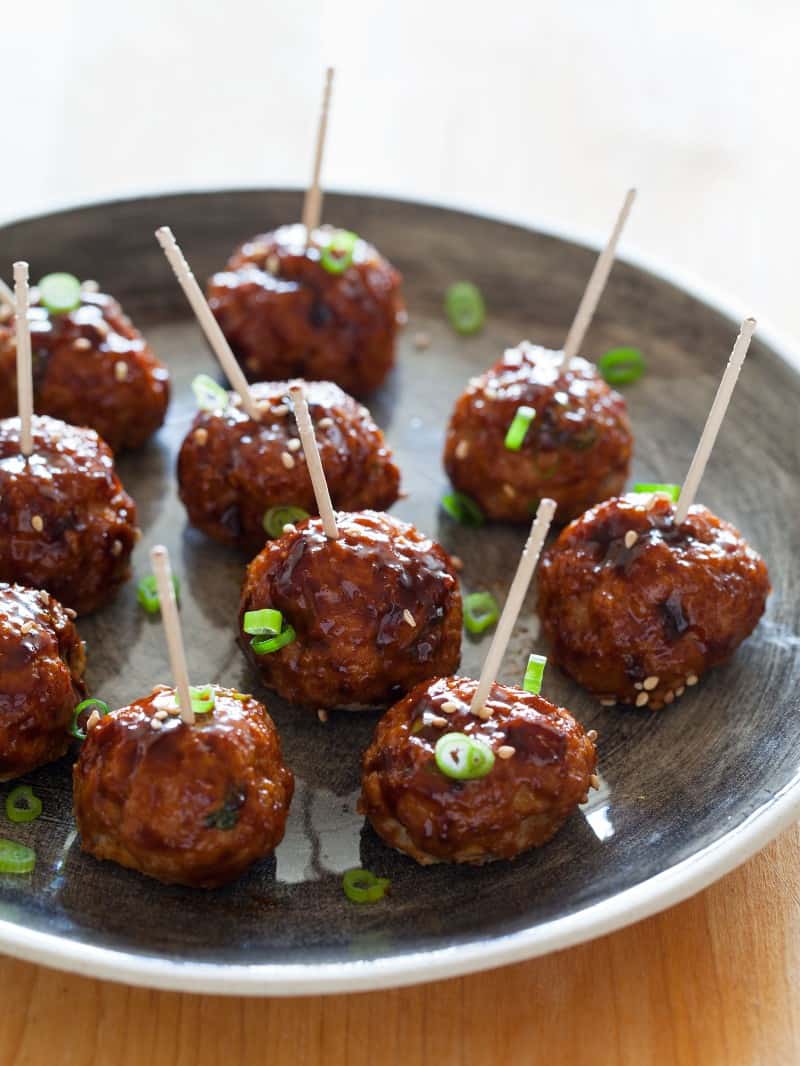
(658, 892)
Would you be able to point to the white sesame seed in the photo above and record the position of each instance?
(38, 523)
(280, 410)
(440, 723)
(484, 713)
(161, 715)
(120, 370)
(409, 617)
(155, 724)
(594, 781)
(287, 460)
(101, 327)
(642, 699)
(25, 628)
(116, 548)
(90, 285)
(173, 710)
(462, 449)
(651, 682)
(422, 340)
(592, 735)
(638, 685)
(692, 679)
(505, 751)
(680, 690)
(82, 344)
(325, 423)
(630, 538)
(294, 445)
(490, 394)
(669, 697)
(457, 561)
(608, 703)
(509, 490)
(290, 527)
(449, 707)
(322, 714)
(273, 264)
(200, 435)
(92, 720)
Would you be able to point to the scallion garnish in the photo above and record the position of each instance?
(203, 698)
(16, 858)
(337, 255)
(263, 622)
(59, 293)
(147, 593)
(534, 672)
(519, 428)
(621, 366)
(480, 611)
(362, 886)
(463, 508)
(85, 707)
(278, 517)
(647, 488)
(266, 647)
(464, 307)
(209, 395)
(463, 758)
(22, 805)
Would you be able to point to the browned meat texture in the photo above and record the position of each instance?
(41, 678)
(637, 621)
(66, 523)
(187, 804)
(286, 316)
(577, 450)
(231, 469)
(91, 367)
(375, 611)
(519, 804)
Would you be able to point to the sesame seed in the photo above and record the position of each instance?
(68, 611)
(92, 720)
(120, 370)
(82, 344)
(449, 707)
(161, 715)
(322, 714)
(592, 735)
(505, 751)
(680, 690)
(608, 703)
(252, 365)
(484, 713)
(287, 460)
(280, 410)
(462, 449)
(440, 723)
(422, 340)
(173, 709)
(294, 445)
(669, 697)
(638, 685)
(290, 527)
(594, 781)
(155, 724)
(325, 423)
(457, 561)
(630, 538)
(509, 490)
(692, 679)
(409, 617)
(642, 699)
(26, 627)
(200, 435)
(651, 682)
(101, 327)
(273, 264)
(38, 523)
(90, 285)
(490, 394)
(116, 548)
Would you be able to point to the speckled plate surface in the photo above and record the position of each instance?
(686, 793)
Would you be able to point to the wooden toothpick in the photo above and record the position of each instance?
(312, 204)
(24, 365)
(159, 557)
(205, 316)
(516, 595)
(313, 462)
(714, 420)
(6, 294)
(594, 289)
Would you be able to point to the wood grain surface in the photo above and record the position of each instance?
(712, 982)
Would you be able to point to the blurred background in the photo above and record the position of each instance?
(533, 111)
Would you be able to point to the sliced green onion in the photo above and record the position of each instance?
(463, 508)
(22, 805)
(463, 758)
(621, 366)
(480, 611)
(86, 705)
(203, 698)
(263, 622)
(337, 255)
(649, 487)
(362, 886)
(266, 647)
(16, 858)
(59, 293)
(147, 593)
(278, 517)
(534, 672)
(519, 428)
(464, 307)
(209, 395)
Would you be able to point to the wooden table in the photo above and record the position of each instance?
(712, 982)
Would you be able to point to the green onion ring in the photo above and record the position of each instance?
(534, 672)
(262, 623)
(518, 429)
(16, 858)
(209, 395)
(464, 307)
(266, 647)
(463, 509)
(337, 255)
(646, 488)
(59, 293)
(147, 593)
(463, 758)
(278, 517)
(621, 366)
(22, 805)
(480, 611)
(203, 698)
(362, 886)
(86, 705)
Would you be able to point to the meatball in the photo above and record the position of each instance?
(286, 316)
(636, 608)
(373, 613)
(91, 367)
(41, 678)
(577, 449)
(66, 523)
(231, 470)
(187, 804)
(543, 767)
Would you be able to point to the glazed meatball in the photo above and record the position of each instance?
(543, 768)
(577, 449)
(187, 804)
(286, 316)
(66, 523)
(231, 470)
(91, 367)
(41, 678)
(374, 612)
(637, 608)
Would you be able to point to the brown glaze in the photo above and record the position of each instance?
(68, 488)
(91, 367)
(347, 600)
(187, 804)
(577, 450)
(232, 469)
(680, 600)
(41, 678)
(519, 804)
(286, 316)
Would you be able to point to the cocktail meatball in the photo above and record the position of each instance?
(636, 608)
(543, 768)
(231, 470)
(286, 316)
(91, 367)
(374, 612)
(66, 523)
(41, 678)
(187, 804)
(577, 448)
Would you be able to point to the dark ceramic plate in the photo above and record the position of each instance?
(686, 793)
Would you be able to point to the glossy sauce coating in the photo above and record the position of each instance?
(638, 624)
(375, 612)
(41, 678)
(190, 804)
(519, 804)
(66, 523)
(577, 449)
(286, 316)
(231, 470)
(91, 367)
